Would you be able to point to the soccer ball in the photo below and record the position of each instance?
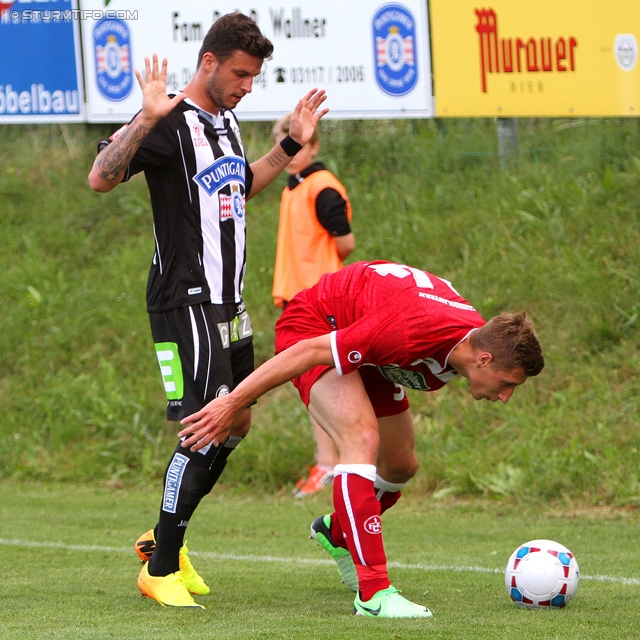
(541, 574)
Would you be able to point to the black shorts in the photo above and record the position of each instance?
(204, 351)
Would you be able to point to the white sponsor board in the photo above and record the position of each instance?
(372, 57)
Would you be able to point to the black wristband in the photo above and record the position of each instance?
(290, 146)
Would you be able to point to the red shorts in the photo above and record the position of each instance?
(302, 320)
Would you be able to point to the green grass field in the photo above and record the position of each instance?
(557, 235)
(69, 569)
(84, 442)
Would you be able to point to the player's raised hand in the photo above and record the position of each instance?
(155, 102)
(306, 115)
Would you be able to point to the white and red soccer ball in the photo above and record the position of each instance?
(541, 574)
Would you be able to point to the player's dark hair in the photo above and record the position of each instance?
(510, 339)
(235, 32)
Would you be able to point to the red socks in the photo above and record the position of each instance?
(356, 523)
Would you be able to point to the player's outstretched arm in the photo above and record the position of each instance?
(214, 421)
(304, 120)
(111, 163)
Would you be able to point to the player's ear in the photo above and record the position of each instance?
(484, 359)
(209, 61)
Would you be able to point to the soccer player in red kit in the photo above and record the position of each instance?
(351, 344)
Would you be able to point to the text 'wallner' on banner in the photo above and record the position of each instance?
(371, 56)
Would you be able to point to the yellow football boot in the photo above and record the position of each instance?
(169, 591)
(145, 546)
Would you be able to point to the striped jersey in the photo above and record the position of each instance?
(198, 179)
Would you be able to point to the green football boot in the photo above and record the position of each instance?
(321, 533)
(388, 603)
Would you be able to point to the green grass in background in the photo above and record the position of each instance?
(69, 569)
(557, 235)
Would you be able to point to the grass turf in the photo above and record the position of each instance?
(557, 235)
(69, 571)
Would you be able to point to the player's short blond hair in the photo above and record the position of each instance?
(282, 126)
(510, 339)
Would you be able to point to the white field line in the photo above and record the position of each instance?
(281, 560)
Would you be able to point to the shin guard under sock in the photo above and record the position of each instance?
(358, 511)
(189, 477)
(387, 493)
(220, 462)
(184, 479)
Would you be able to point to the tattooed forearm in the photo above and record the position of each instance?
(277, 157)
(114, 159)
(266, 169)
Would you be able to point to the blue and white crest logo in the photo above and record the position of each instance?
(113, 58)
(394, 33)
(237, 204)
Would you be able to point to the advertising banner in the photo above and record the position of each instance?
(535, 57)
(372, 56)
(40, 72)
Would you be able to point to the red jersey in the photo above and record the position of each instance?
(398, 318)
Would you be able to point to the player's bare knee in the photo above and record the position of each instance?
(358, 439)
(411, 467)
(367, 438)
(399, 469)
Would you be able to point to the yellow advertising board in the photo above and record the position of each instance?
(510, 58)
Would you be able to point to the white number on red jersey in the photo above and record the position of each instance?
(422, 280)
(402, 271)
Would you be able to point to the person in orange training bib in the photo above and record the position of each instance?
(314, 238)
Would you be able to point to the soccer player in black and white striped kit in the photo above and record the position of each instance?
(191, 152)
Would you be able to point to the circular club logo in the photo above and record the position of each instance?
(237, 205)
(373, 525)
(112, 44)
(354, 357)
(626, 50)
(394, 49)
(223, 390)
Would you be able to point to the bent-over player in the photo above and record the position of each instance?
(351, 344)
